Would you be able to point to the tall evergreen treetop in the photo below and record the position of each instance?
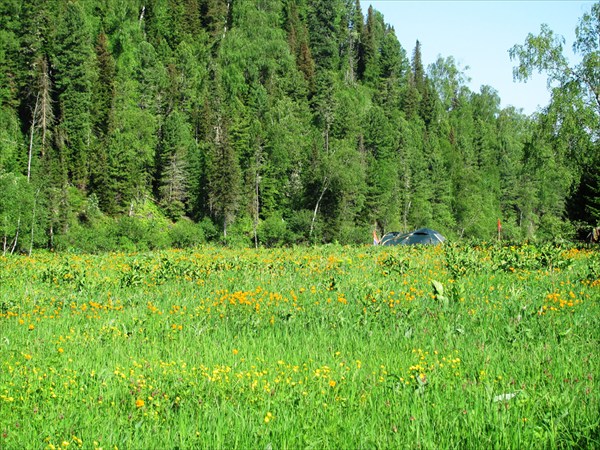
(418, 71)
(323, 18)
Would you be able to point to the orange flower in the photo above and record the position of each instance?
(139, 403)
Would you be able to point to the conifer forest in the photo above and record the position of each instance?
(143, 124)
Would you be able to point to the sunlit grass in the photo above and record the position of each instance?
(331, 347)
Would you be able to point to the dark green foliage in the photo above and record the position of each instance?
(9, 49)
(369, 67)
(137, 125)
(418, 71)
(103, 118)
(323, 17)
(173, 165)
(72, 63)
(223, 171)
(298, 40)
(215, 15)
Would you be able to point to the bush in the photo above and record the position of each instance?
(274, 232)
(553, 229)
(126, 233)
(355, 235)
(209, 230)
(98, 237)
(239, 233)
(186, 233)
(300, 223)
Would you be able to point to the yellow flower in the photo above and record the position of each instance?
(332, 383)
(139, 403)
(60, 350)
(235, 351)
(269, 417)
(31, 327)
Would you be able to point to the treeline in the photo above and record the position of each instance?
(128, 124)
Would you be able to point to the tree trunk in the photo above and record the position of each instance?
(16, 235)
(312, 223)
(33, 221)
(31, 130)
(256, 208)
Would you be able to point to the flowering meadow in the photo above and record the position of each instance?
(452, 346)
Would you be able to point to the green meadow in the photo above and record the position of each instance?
(335, 347)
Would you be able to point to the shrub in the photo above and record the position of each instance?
(239, 233)
(186, 233)
(209, 230)
(273, 232)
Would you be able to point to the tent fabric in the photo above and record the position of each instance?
(420, 236)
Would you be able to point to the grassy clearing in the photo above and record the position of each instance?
(331, 347)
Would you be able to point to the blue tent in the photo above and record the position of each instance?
(420, 236)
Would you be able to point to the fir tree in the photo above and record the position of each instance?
(74, 75)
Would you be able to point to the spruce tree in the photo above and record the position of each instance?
(223, 171)
(173, 164)
(72, 62)
(417, 68)
(103, 99)
(323, 17)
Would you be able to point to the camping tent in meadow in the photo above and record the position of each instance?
(420, 236)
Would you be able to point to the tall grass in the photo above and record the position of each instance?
(330, 347)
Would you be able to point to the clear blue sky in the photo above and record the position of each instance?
(478, 34)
